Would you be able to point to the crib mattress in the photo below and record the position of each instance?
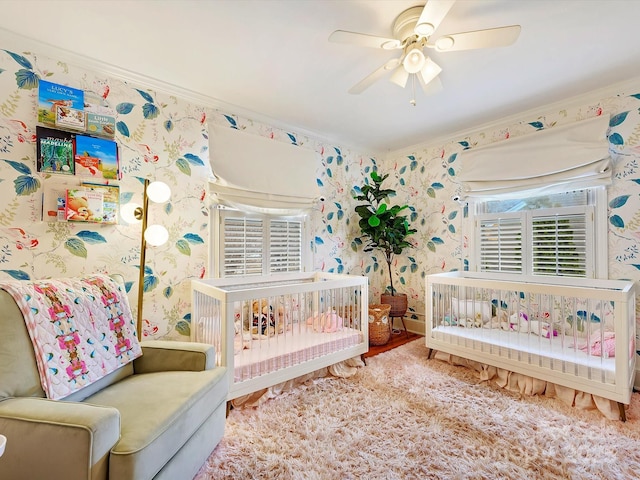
(289, 349)
(556, 353)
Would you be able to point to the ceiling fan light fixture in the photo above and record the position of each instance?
(400, 77)
(430, 71)
(414, 60)
(444, 43)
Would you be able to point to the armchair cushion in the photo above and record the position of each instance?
(163, 355)
(169, 408)
(68, 437)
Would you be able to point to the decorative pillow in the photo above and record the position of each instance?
(81, 329)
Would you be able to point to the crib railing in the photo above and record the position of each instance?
(578, 333)
(271, 329)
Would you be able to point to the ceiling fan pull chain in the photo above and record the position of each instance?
(413, 90)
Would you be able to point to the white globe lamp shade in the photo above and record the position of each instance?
(158, 192)
(156, 235)
(128, 213)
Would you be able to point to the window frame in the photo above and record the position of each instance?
(220, 213)
(595, 212)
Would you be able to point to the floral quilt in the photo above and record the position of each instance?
(81, 329)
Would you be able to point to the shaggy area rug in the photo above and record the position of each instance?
(404, 416)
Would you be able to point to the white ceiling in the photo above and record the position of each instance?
(271, 58)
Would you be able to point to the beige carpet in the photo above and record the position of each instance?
(406, 417)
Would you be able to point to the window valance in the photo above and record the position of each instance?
(574, 156)
(259, 174)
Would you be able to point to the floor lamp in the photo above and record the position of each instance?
(154, 235)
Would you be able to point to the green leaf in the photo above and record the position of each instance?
(183, 328)
(183, 166)
(183, 247)
(76, 247)
(374, 221)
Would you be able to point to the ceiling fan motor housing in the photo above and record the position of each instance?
(405, 23)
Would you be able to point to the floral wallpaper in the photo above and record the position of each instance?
(163, 137)
(160, 137)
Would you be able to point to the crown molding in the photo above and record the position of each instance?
(22, 43)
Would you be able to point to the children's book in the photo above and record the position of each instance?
(55, 152)
(102, 125)
(84, 205)
(96, 157)
(67, 117)
(110, 200)
(51, 95)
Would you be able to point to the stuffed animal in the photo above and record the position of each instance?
(326, 322)
(263, 322)
(536, 327)
(500, 320)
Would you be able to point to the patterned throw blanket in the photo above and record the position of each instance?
(81, 329)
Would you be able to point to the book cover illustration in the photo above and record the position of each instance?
(84, 205)
(51, 95)
(67, 117)
(55, 152)
(110, 200)
(96, 157)
(103, 125)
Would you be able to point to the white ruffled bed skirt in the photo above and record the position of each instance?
(344, 369)
(526, 385)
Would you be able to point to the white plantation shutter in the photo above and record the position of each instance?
(560, 243)
(285, 246)
(501, 244)
(259, 245)
(242, 246)
(556, 242)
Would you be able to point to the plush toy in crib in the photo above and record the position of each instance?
(520, 322)
(242, 338)
(326, 322)
(263, 322)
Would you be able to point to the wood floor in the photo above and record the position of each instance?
(397, 339)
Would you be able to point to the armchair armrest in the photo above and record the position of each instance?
(166, 355)
(56, 439)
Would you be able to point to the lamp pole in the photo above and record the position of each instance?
(141, 214)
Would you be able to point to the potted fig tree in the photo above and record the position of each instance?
(385, 228)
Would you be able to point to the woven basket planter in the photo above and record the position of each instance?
(379, 327)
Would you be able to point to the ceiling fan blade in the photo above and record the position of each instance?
(364, 40)
(432, 14)
(491, 37)
(374, 77)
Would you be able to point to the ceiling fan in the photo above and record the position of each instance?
(412, 33)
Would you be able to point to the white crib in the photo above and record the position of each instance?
(579, 335)
(271, 329)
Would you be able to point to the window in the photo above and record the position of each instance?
(552, 235)
(252, 244)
